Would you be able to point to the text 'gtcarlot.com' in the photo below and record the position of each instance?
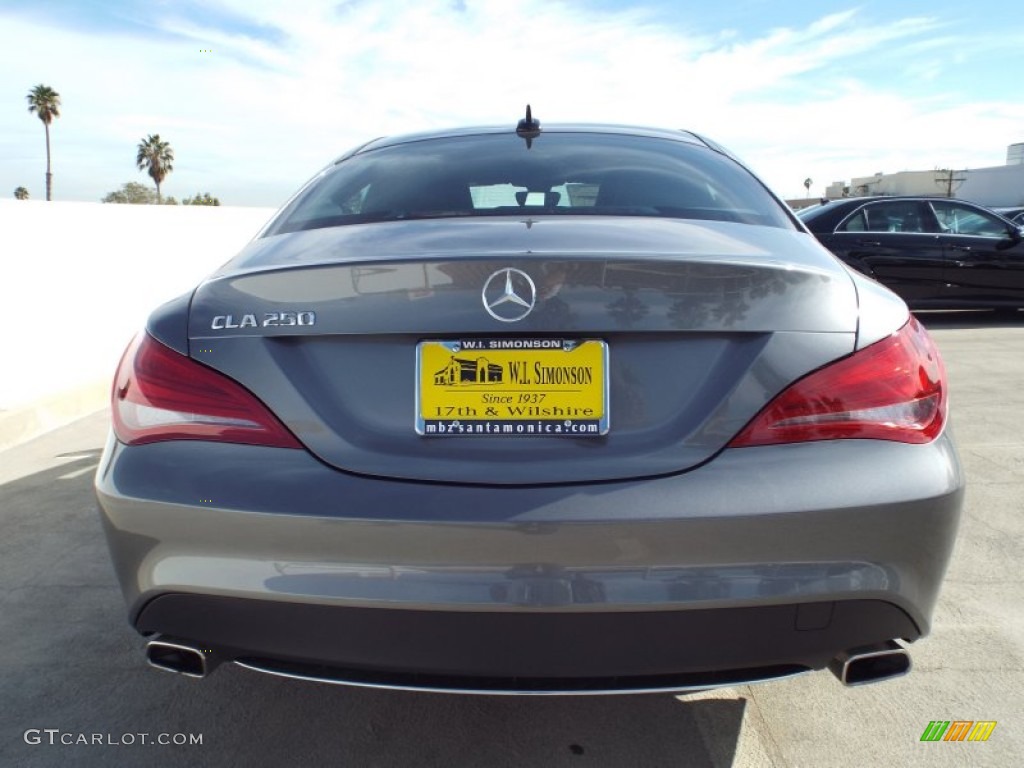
(55, 736)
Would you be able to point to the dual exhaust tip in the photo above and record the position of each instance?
(857, 666)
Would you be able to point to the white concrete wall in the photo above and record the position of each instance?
(77, 280)
(999, 186)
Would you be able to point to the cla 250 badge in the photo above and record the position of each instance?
(269, 320)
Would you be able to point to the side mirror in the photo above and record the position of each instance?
(1014, 234)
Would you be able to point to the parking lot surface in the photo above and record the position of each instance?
(75, 690)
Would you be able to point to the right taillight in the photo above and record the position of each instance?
(160, 394)
(894, 389)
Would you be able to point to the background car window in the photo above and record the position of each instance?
(855, 223)
(888, 216)
(561, 174)
(958, 219)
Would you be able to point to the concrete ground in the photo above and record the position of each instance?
(70, 667)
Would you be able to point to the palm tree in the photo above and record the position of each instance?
(156, 157)
(20, 193)
(45, 102)
(807, 184)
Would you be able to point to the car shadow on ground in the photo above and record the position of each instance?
(971, 318)
(72, 665)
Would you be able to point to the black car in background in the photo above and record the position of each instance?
(934, 252)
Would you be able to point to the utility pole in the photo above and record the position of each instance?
(947, 177)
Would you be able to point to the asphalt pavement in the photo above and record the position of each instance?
(75, 690)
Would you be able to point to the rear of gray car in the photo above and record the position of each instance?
(585, 413)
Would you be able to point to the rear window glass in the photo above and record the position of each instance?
(889, 216)
(561, 174)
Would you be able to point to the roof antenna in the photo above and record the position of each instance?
(528, 129)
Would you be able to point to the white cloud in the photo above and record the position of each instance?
(252, 120)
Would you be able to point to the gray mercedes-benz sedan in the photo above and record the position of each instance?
(532, 410)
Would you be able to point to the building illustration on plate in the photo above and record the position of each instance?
(462, 371)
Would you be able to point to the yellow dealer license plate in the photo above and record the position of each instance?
(512, 388)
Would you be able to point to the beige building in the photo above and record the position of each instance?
(1001, 185)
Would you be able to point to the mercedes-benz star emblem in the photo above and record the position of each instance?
(509, 295)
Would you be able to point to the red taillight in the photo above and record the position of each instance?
(162, 395)
(894, 389)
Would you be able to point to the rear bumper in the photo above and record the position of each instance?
(448, 650)
(766, 558)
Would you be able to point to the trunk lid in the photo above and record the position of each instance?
(699, 323)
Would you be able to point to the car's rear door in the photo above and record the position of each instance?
(895, 242)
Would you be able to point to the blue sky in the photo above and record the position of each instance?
(256, 95)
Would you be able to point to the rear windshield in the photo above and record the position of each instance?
(561, 174)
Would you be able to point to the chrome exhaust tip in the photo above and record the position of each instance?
(174, 656)
(871, 663)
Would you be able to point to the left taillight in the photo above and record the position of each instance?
(160, 394)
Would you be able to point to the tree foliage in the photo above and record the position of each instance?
(133, 193)
(20, 193)
(204, 198)
(45, 103)
(156, 158)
